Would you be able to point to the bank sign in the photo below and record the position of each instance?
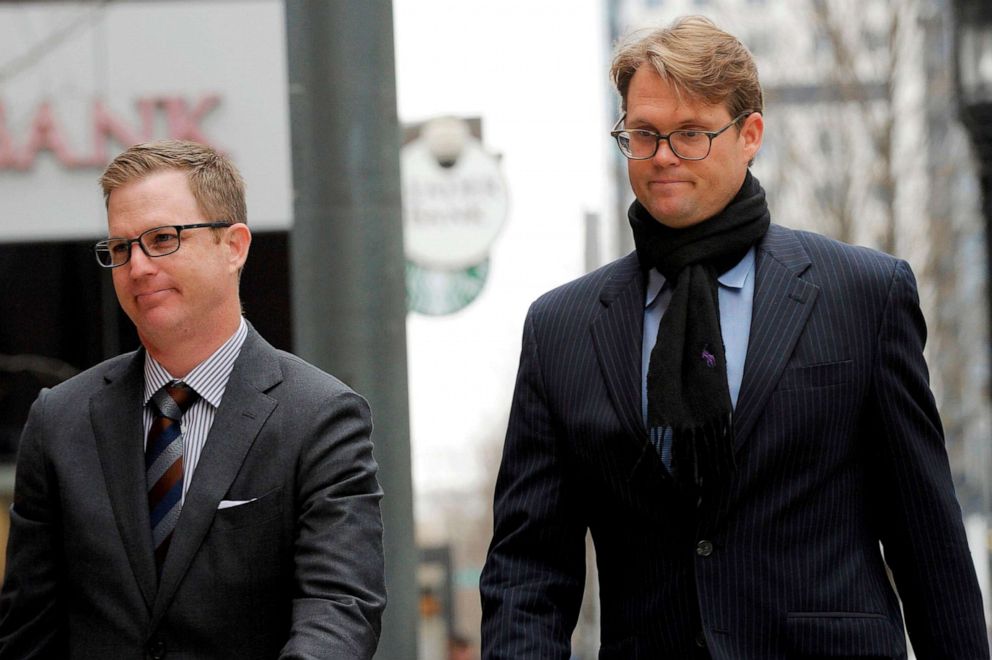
(80, 82)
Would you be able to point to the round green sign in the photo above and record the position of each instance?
(438, 292)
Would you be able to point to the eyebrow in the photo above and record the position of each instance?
(687, 125)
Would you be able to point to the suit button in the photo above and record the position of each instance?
(704, 548)
(701, 640)
(156, 649)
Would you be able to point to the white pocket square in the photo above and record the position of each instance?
(227, 504)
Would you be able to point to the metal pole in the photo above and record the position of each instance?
(592, 258)
(348, 285)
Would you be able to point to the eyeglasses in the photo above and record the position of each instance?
(641, 144)
(155, 242)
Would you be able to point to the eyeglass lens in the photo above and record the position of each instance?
(156, 242)
(685, 144)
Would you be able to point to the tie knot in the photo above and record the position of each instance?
(174, 399)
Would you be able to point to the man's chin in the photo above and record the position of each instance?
(156, 326)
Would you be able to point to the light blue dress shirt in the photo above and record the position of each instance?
(736, 296)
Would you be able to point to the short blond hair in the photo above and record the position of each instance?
(214, 181)
(698, 59)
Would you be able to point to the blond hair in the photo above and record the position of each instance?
(698, 59)
(214, 181)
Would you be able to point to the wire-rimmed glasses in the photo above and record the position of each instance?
(154, 242)
(691, 144)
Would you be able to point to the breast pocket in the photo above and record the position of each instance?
(623, 650)
(252, 512)
(824, 374)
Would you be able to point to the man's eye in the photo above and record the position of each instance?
(691, 135)
(118, 247)
(163, 238)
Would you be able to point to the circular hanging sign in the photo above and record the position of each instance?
(440, 292)
(453, 212)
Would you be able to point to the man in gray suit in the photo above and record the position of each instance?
(206, 496)
(738, 412)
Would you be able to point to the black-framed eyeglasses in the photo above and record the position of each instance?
(642, 144)
(154, 242)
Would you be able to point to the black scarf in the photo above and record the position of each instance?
(687, 373)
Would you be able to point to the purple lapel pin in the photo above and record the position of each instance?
(708, 358)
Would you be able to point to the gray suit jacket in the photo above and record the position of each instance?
(297, 572)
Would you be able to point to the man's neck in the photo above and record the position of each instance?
(180, 353)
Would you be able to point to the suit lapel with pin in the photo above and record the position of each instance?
(781, 307)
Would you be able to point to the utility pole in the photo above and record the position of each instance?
(349, 308)
(973, 57)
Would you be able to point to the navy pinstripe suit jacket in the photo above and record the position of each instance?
(839, 448)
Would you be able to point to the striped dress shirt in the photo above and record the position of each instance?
(209, 380)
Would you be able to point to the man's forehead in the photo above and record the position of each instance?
(676, 114)
(650, 93)
(160, 198)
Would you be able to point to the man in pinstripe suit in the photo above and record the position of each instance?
(207, 496)
(738, 412)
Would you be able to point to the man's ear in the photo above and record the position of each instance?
(753, 132)
(237, 240)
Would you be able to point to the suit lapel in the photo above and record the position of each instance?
(782, 303)
(116, 415)
(242, 413)
(617, 335)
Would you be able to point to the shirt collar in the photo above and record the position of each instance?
(209, 378)
(735, 278)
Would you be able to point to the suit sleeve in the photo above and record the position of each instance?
(340, 589)
(32, 621)
(922, 532)
(533, 577)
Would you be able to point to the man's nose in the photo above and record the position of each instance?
(664, 156)
(139, 262)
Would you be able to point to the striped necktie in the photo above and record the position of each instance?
(164, 464)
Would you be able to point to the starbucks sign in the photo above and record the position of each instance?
(454, 206)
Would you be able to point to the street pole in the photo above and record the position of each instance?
(973, 83)
(978, 120)
(349, 307)
(973, 59)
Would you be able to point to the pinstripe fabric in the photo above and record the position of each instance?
(209, 379)
(839, 449)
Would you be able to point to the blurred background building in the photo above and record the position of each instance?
(865, 143)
